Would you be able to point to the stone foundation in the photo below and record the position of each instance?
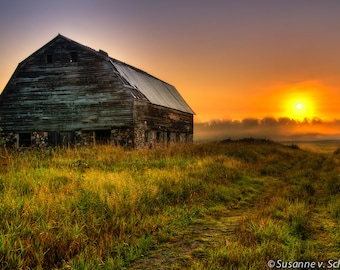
(10, 140)
(157, 138)
(39, 139)
(84, 138)
(124, 137)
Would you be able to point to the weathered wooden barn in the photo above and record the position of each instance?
(66, 93)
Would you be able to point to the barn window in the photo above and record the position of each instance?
(158, 136)
(103, 136)
(61, 138)
(73, 57)
(49, 58)
(25, 140)
(146, 136)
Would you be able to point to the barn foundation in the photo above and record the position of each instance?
(126, 137)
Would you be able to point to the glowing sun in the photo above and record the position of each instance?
(300, 101)
(299, 108)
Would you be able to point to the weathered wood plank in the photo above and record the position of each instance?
(71, 96)
(67, 90)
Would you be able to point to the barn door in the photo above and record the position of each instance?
(60, 138)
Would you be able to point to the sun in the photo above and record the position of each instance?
(300, 101)
(299, 108)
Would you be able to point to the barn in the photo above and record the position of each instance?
(66, 93)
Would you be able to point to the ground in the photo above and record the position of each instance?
(192, 243)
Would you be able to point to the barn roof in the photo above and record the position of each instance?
(155, 90)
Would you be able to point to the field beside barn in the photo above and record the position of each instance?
(226, 205)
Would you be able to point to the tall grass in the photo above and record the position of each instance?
(298, 222)
(103, 207)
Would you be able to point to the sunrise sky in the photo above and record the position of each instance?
(230, 60)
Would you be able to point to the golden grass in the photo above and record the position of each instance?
(103, 207)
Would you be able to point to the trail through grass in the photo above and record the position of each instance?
(193, 245)
(229, 205)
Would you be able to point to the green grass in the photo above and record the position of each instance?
(105, 208)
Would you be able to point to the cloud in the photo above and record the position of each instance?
(281, 129)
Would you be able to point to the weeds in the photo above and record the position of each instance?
(103, 207)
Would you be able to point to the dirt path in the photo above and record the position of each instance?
(190, 243)
(204, 234)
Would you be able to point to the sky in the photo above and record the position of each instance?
(232, 60)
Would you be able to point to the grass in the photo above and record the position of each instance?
(106, 208)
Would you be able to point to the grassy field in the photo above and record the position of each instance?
(227, 205)
(321, 146)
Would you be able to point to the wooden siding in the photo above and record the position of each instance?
(158, 125)
(154, 117)
(64, 95)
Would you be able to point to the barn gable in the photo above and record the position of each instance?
(66, 92)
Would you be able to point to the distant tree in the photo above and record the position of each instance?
(269, 121)
(250, 122)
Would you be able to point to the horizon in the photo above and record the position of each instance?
(230, 61)
(280, 129)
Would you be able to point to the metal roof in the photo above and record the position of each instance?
(155, 90)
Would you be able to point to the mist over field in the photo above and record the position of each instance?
(281, 129)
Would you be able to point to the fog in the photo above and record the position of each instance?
(281, 129)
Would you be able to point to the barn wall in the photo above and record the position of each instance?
(64, 96)
(156, 125)
(68, 94)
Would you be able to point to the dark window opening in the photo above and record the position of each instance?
(73, 57)
(158, 136)
(146, 136)
(103, 136)
(61, 138)
(49, 58)
(25, 140)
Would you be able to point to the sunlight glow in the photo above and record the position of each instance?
(301, 101)
(299, 106)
